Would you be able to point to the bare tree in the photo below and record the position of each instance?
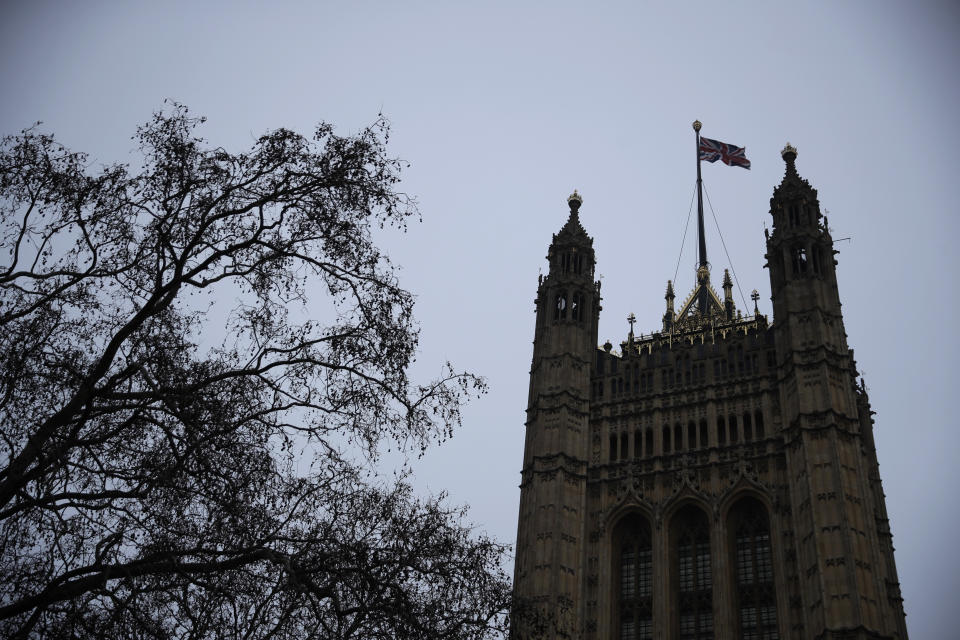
(153, 481)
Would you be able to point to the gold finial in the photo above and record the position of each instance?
(789, 149)
(575, 196)
(696, 125)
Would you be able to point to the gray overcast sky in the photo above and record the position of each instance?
(504, 108)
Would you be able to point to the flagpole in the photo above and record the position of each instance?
(703, 275)
(700, 234)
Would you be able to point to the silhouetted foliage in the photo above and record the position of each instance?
(174, 469)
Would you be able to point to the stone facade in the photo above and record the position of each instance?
(714, 479)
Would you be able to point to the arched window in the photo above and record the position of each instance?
(678, 437)
(613, 448)
(649, 442)
(576, 308)
(624, 446)
(733, 430)
(634, 578)
(692, 575)
(747, 427)
(703, 433)
(666, 438)
(799, 261)
(691, 435)
(637, 442)
(560, 311)
(756, 602)
(758, 420)
(721, 431)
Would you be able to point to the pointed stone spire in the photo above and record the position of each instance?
(794, 202)
(669, 315)
(789, 155)
(727, 294)
(573, 232)
(574, 200)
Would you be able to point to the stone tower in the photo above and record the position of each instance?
(716, 478)
(554, 479)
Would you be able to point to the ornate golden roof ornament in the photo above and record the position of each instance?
(575, 196)
(789, 149)
(697, 125)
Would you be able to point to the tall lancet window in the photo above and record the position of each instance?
(634, 573)
(756, 599)
(692, 575)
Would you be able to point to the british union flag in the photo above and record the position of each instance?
(713, 150)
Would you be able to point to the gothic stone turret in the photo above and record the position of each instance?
(549, 568)
(715, 479)
(848, 579)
